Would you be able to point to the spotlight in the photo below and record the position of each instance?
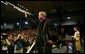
(68, 17)
(6, 3)
(4, 24)
(2, 1)
(26, 9)
(26, 22)
(17, 23)
(55, 24)
(22, 7)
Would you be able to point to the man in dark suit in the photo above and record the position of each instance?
(43, 42)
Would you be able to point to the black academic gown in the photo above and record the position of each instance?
(42, 38)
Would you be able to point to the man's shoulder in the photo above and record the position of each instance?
(48, 20)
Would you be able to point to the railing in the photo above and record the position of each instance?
(28, 51)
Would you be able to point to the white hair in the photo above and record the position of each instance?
(42, 13)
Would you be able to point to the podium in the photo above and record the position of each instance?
(69, 44)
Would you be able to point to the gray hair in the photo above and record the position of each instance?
(42, 13)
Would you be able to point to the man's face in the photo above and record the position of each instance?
(41, 17)
(75, 29)
(10, 37)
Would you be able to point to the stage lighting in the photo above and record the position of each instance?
(26, 22)
(68, 17)
(17, 23)
(55, 24)
(4, 24)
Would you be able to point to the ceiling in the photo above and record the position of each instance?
(8, 13)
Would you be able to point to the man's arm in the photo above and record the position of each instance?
(47, 32)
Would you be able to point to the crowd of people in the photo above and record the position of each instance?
(17, 42)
